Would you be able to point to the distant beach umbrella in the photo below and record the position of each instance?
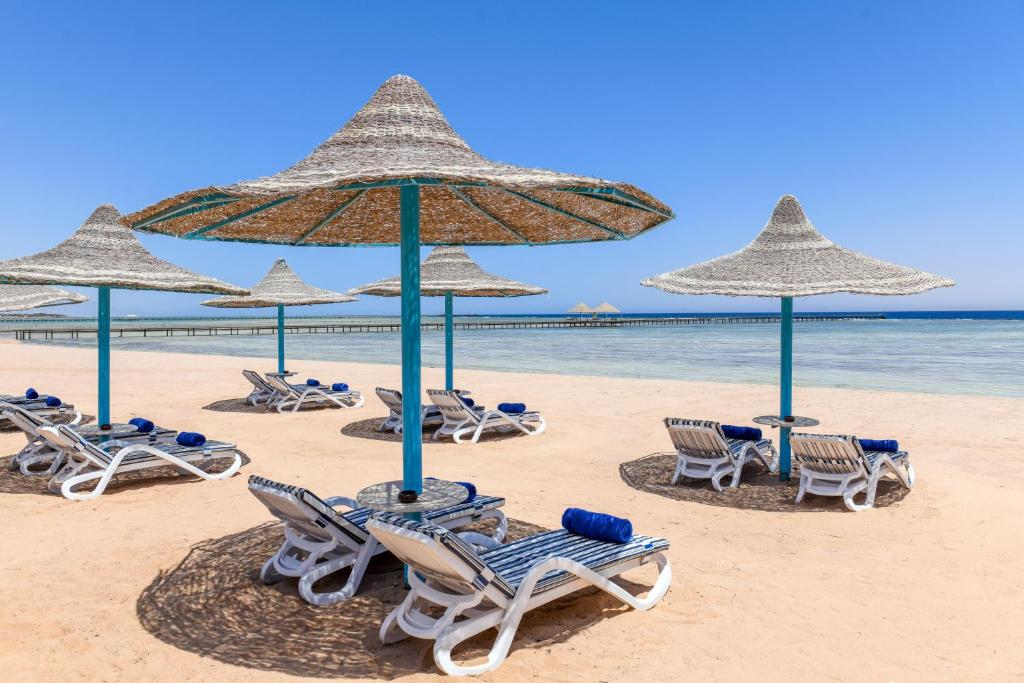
(103, 253)
(606, 308)
(280, 287)
(790, 258)
(449, 272)
(25, 297)
(581, 308)
(397, 173)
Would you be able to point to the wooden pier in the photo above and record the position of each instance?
(298, 327)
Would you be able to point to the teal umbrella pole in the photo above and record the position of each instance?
(786, 386)
(412, 434)
(449, 344)
(103, 347)
(280, 338)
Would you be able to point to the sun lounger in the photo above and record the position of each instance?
(99, 462)
(261, 392)
(460, 420)
(320, 540)
(431, 416)
(704, 452)
(38, 452)
(493, 588)
(65, 412)
(835, 465)
(295, 396)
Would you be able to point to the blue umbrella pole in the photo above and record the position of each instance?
(412, 426)
(280, 339)
(786, 386)
(103, 347)
(449, 346)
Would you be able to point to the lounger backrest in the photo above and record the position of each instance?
(436, 553)
(280, 386)
(451, 406)
(255, 379)
(391, 398)
(298, 506)
(63, 438)
(697, 438)
(25, 420)
(828, 453)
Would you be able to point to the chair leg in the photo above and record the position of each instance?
(358, 562)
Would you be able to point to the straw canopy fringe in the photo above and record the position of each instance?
(606, 308)
(791, 258)
(346, 192)
(449, 269)
(25, 297)
(281, 287)
(105, 253)
(581, 308)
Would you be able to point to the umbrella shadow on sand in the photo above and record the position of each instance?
(214, 605)
(758, 490)
(13, 481)
(241, 405)
(370, 429)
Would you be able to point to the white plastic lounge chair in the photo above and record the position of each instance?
(320, 540)
(704, 452)
(295, 396)
(62, 413)
(99, 462)
(261, 392)
(431, 416)
(38, 452)
(836, 465)
(460, 420)
(493, 588)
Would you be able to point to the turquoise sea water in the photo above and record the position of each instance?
(948, 353)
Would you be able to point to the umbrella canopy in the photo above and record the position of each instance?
(347, 191)
(449, 269)
(790, 258)
(606, 308)
(280, 287)
(397, 173)
(25, 297)
(104, 253)
(581, 308)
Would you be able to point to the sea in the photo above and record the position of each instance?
(941, 352)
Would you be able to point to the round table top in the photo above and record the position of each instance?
(286, 373)
(437, 494)
(776, 421)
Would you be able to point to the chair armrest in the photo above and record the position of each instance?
(335, 501)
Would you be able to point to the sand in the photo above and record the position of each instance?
(155, 580)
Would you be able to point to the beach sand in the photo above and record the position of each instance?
(155, 580)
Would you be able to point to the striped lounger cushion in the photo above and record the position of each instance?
(872, 456)
(736, 446)
(170, 448)
(506, 566)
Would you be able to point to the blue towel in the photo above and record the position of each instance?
(742, 433)
(469, 487)
(883, 445)
(53, 401)
(191, 439)
(467, 400)
(512, 407)
(141, 424)
(596, 525)
(31, 393)
(339, 386)
(313, 382)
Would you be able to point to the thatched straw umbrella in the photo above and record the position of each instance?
(103, 253)
(581, 308)
(790, 258)
(279, 288)
(449, 272)
(397, 174)
(606, 308)
(24, 297)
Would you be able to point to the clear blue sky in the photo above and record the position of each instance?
(897, 125)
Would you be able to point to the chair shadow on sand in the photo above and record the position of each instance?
(370, 429)
(242, 405)
(13, 481)
(214, 605)
(758, 489)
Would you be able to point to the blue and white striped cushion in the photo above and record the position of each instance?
(477, 506)
(872, 456)
(736, 446)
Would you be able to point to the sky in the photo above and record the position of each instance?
(899, 126)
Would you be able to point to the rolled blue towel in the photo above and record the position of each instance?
(742, 433)
(512, 407)
(190, 439)
(467, 401)
(312, 382)
(339, 386)
(142, 424)
(596, 525)
(31, 393)
(883, 445)
(53, 401)
(469, 487)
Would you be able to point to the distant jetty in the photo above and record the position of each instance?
(299, 327)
